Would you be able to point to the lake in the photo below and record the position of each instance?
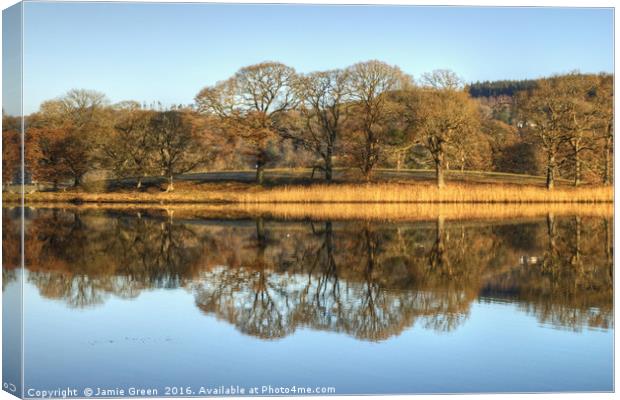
(187, 304)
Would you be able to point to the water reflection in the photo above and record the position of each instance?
(11, 245)
(371, 280)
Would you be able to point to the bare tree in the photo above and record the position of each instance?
(251, 102)
(577, 92)
(541, 112)
(323, 101)
(441, 116)
(370, 83)
(604, 122)
(442, 79)
(83, 107)
(84, 117)
(567, 114)
(129, 151)
(175, 143)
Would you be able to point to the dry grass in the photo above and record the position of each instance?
(424, 193)
(392, 192)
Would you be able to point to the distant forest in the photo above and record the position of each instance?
(499, 88)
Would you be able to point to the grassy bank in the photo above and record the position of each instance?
(389, 192)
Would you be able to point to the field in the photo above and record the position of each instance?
(296, 186)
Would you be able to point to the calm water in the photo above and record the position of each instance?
(120, 299)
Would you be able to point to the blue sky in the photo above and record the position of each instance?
(168, 52)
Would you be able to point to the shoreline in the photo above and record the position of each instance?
(79, 201)
(345, 212)
(360, 194)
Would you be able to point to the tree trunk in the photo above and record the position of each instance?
(139, 183)
(577, 181)
(77, 181)
(550, 172)
(550, 256)
(261, 244)
(371, 247)
(329, 249)
(576, 150)
(437, 257)
(328, 164)
(609, 247)
(369, 157)
(170, 187)
(260, 174)
(439, 172)
(329, 238)
(607, 167)
(551, 233)
(440, 224)
(576, 259)
(260, 232)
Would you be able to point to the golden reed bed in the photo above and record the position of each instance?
(342, 193)
(420, 193)
(371, 212)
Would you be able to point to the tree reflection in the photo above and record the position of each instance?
(573, 287)
(366, 279)
(82, 258)
(11, 245)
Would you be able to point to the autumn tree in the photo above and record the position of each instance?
(82, 117)
(83, 108)
(541, 114)
(11, 148)
(442, 119)
(251, 102)
(46, 154)
(129, 150)
(604, 123)
(322, 110)
(575, 93)
(370, 85)
(175, 143)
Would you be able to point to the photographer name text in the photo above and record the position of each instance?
(178, 391)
